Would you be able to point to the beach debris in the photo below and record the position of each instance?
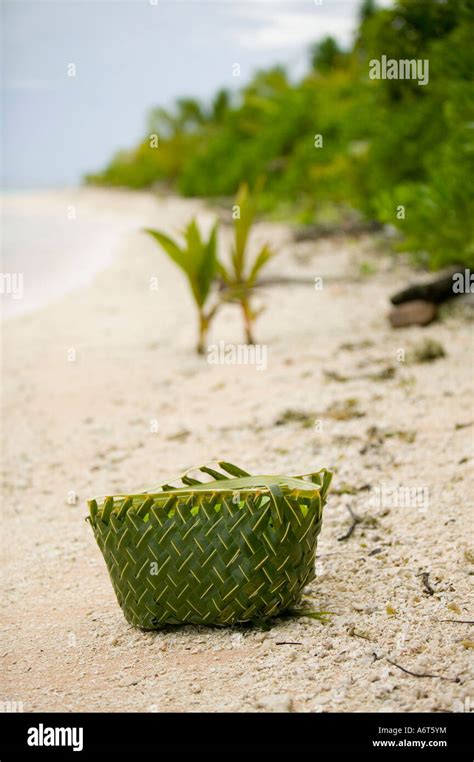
(435, 292)
(384, 374)
(349, 226)
(425, 580)
(334, 375)
(377, 436)
(407, 435)
(376, 551)
(348, 489)
(291, 415)
(355, 520)
(354, 633)
(179, 436)
(458, 621)
(417, 312)
(353, 346)
(454, 607)
(344, 410)
(420, 674)
(427, 350)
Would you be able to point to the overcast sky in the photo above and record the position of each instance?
(129, 56)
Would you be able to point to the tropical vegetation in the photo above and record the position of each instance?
(394, 150)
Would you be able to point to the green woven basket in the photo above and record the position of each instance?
(235, 549)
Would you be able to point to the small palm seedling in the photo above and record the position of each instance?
(240, 276)
(198, 260)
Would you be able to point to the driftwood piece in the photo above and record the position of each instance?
(435, 291)
(350, 227)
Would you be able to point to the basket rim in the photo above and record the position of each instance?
(246, 484)
(277, 488)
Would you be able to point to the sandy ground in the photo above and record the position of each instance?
(398, 435)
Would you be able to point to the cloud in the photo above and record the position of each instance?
(286, 30)
(272, 25)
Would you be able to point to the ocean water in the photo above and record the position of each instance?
(51, 245)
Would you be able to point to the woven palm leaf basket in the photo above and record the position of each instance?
(238, 548)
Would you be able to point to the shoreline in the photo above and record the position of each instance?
(102, 391)
(57, 241)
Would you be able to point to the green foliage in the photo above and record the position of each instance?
(197, 258)
(435, 186)
(326, 55)
(231, 282)
(386, 143)
(241, 275)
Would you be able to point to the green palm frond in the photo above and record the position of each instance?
(208, 266)
(197, 258)
(242, 270)
(264, 256)
(242, 227)
(240, 275)
(174, 251)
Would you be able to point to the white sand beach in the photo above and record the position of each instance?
(102, 392)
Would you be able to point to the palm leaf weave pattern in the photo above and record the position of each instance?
(234, 549)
